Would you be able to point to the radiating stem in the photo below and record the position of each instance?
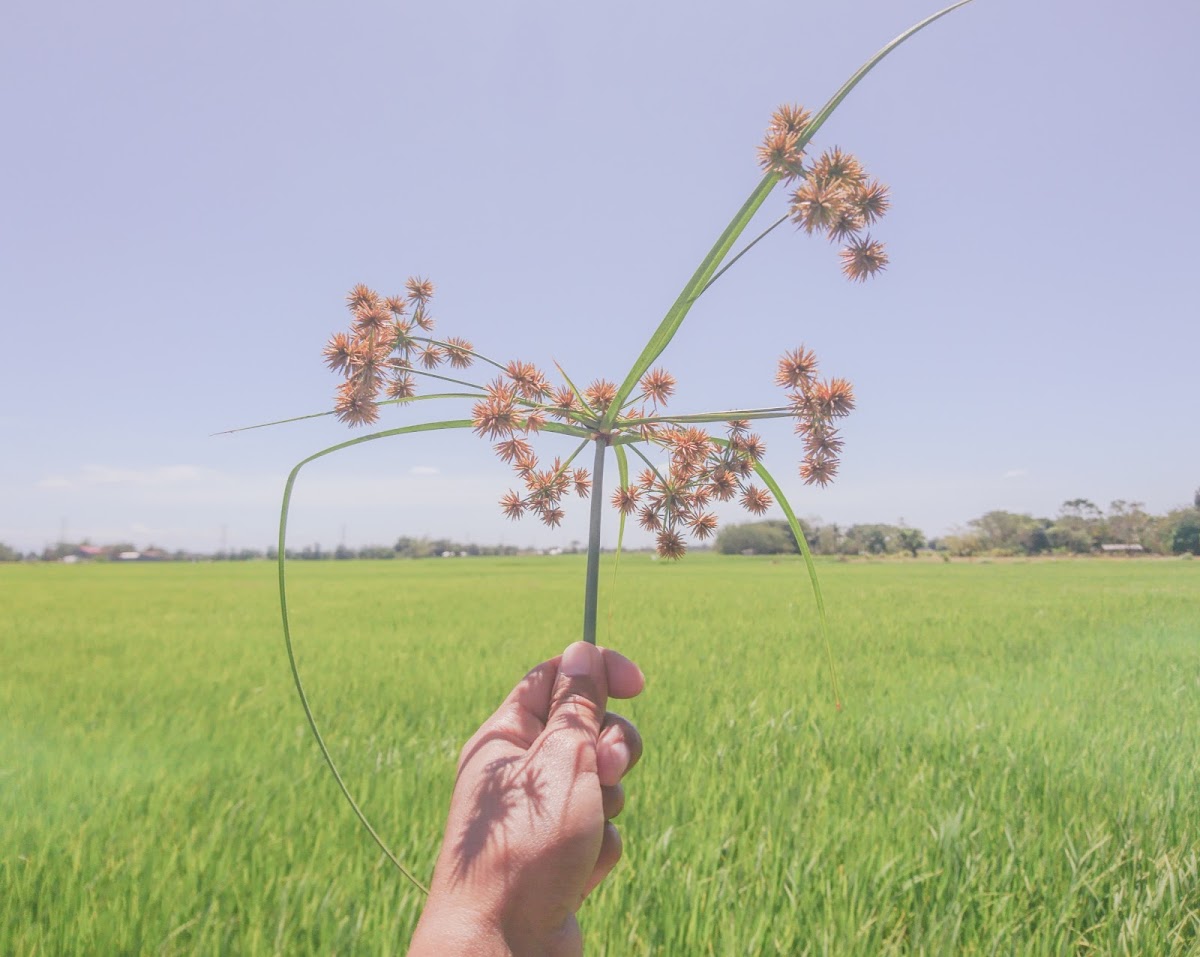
(592, 580)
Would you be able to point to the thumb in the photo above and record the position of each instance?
(580, 698)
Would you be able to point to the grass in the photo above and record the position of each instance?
(1014, 772)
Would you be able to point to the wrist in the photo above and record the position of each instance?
(442, 931)
(467, 932)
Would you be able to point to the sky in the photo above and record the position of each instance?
(191, 189)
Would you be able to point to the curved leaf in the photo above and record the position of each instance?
(287, 631)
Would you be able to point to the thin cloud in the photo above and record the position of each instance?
(1016, 473)
(423, 470)
(91, 476)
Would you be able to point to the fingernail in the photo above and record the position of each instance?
(576, 660)
(620, 751)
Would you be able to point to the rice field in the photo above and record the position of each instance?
(1015, 770)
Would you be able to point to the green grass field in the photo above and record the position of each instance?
(1015, 770)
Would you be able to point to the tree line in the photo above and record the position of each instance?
(1079, 528)
(404, 547)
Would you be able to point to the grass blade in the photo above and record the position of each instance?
(810, 565)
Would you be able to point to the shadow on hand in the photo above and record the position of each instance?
(507, 788)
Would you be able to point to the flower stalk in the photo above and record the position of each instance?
(591, 589)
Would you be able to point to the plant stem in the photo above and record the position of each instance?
(592, 579)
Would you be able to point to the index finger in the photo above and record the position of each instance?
(625, 679)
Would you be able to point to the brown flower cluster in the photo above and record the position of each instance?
(836, 197)
(384, 346)
(814, 406)
(701, 470)
(386, 349)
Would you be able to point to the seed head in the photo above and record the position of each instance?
(355, 405)
(780, 153)
(835, 398)
(816, 204)
(797, 368)
(513, 450)
(362, 297)
(494, 418)
(818, 469)
(600, 393)
(790, 118)
(863, 258)
(432, 356)
(625, 499)
(670, 545)
(583, 482)
(756, 500)
(420, 290)
(458, 351)
(422, 318)
(658, 385)
(513, 505)
(402, 386)
(723, 484)
(871, 201)
(837, 168)
(528, 379)
(338, 352)
(648, 519)
(704, 525)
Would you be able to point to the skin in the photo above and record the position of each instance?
(529, 833)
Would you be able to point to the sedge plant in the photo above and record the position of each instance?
(389, 350)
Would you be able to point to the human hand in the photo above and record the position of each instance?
(530, 831)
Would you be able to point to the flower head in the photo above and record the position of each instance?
(863, 258)
(780, 153)
(419, 290)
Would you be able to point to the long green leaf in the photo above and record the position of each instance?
(835, 101)
(287, 631)
(678, 312)
(705, 271)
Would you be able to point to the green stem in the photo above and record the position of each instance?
(757, 239)
(775, 412)
(591, 591)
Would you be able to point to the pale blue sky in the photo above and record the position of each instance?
(190, 189)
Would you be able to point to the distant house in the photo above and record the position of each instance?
(83, 553)
(1121, 549)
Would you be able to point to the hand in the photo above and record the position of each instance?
(530, 831)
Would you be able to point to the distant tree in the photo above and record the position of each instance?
(1010, 533)
(8, 554)
(962, 544)
(873, 539)
(1196, 498)
(772, 537)
(1079, 527)
(1128, 523)
(910, 539)
(1185, 532)
(1080, 508)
